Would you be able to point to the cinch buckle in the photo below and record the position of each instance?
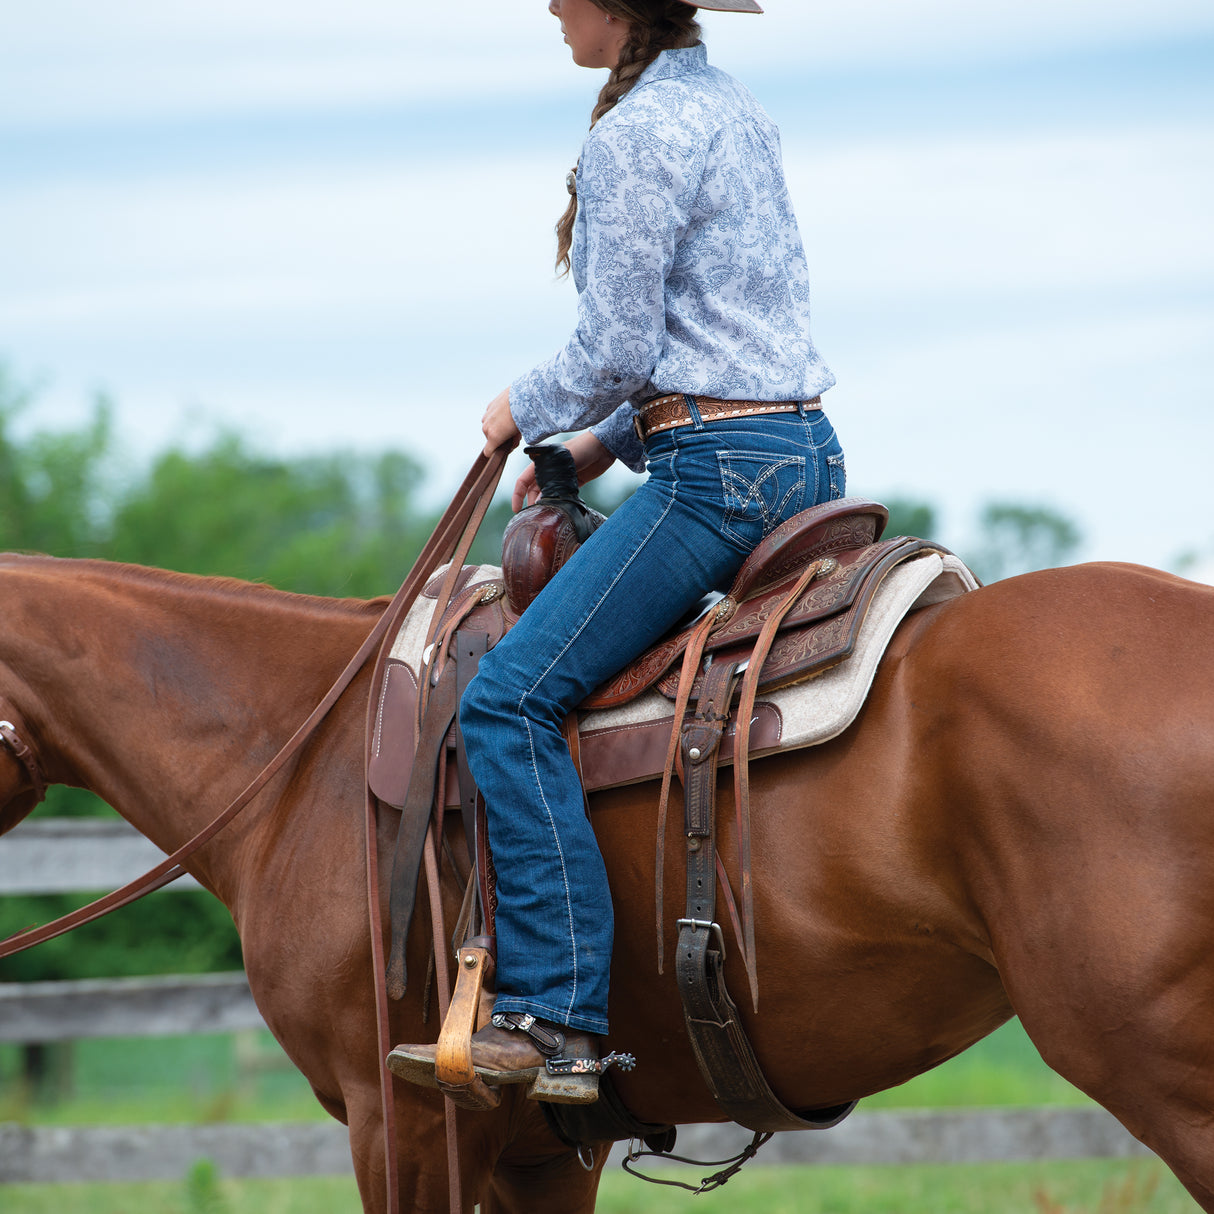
(715, 928)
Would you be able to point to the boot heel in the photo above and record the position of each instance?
(564, 1089)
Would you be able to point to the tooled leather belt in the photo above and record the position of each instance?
(674, 410)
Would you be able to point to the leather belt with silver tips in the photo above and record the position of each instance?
(675, 409)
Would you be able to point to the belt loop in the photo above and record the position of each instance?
(696, 420)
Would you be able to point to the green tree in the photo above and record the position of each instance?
(910, 516)
(336, 525)
(1015, 538)
(55, 489)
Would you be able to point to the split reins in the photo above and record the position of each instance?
(449, 542)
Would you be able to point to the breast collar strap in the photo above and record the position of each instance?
(25, 756)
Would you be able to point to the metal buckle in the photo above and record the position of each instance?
(715, 928)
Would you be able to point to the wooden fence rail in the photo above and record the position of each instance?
(126, 1007)
(68, 855)
(38, 1155)
(49, 856)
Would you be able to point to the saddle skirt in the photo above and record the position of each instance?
(822, 666)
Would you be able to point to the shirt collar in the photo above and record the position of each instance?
(682, 61)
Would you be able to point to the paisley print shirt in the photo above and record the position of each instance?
(689, 267)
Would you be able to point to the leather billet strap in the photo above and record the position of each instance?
(723, 1051)
(701, 743)
(741, 767)
(679, 409)
(716, 616)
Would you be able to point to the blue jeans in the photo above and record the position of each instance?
(713, 492)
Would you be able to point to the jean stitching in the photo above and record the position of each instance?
(560, 851)
(585, 1024)
(815, 452)
(748, 491)
(531, 690)
(834, 462)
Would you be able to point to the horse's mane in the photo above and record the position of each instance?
(224, 588)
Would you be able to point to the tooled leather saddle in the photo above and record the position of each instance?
(794, 610)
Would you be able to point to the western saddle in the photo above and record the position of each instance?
(794, 610)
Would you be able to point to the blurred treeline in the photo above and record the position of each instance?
(339, 524)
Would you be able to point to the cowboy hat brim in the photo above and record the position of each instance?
(726, 6)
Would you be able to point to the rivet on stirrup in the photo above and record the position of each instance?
(589, 1066)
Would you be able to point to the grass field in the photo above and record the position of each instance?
(245, 1078)
(1092, 1187)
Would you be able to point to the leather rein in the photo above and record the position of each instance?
(449, 543)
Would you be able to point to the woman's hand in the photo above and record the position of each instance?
(590, 458)
(497, 425)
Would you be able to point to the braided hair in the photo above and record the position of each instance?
(654, 26)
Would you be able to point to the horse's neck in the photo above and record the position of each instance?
(164, 694)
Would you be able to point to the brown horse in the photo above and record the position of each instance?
(1020, 822)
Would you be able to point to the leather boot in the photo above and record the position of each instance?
(517, 1048)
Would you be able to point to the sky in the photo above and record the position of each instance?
(329, 225)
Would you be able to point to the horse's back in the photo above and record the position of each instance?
(1113, 656)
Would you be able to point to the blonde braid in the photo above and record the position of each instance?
(654, 26)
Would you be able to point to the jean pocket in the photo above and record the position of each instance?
(760, 491)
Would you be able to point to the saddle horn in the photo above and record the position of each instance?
(541, 538)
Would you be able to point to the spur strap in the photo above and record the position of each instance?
(722, 1049)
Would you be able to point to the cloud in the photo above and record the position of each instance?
(129, 60)
(331, 224)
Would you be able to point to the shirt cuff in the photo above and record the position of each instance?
(618, 434)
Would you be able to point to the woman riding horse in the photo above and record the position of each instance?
(692, 360)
